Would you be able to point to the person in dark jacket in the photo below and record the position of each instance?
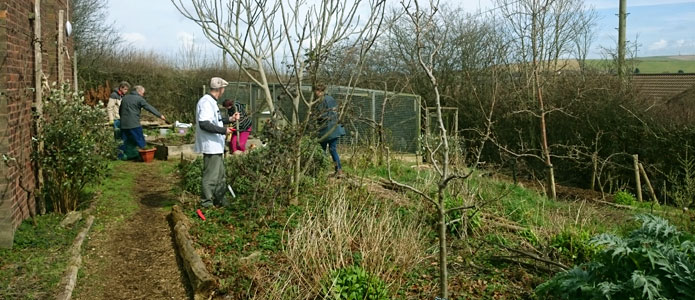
(235, 107)
(131, 130)
(329, 129)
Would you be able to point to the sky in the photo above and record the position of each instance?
(659, 27)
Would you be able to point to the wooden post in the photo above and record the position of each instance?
(638, 183)
(594, 160)
(38, 94)
(61, 37)
(74, 52)
(649, 184)
(74, 71)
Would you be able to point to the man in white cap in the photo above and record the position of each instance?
(209, 140)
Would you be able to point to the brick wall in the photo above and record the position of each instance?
(17, 179)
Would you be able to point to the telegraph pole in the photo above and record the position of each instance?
(622, 20)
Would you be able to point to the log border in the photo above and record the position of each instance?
(202, 282)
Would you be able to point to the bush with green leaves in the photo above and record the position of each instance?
(655, 261)
(624, 198)
(191, 173)
(76, 148)
(574, 244)
(264, 173)
(354, 283)
(461, 219)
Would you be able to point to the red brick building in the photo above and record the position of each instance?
(17, 100)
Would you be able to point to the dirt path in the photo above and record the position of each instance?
(135, 259)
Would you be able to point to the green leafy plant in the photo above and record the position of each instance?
(76, 148)
(683, 182)
(460, 219)
(624, 198)
(191, 173)
(264, 173)
(574, 244)
(529, 235)
(354, 283)
(655, 261)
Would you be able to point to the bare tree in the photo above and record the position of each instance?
(425, 24)
(286, 40)
(543, 32)
(246, 30)
(94, 38)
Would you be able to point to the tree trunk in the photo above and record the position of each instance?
(443, 274)
(298, 153)
(594, 160)
(541, 107)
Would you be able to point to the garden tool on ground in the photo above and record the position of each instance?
(200, 214)
(231, 191)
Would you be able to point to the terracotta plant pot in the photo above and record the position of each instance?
(147, 155)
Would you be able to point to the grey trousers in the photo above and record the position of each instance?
(214, 182)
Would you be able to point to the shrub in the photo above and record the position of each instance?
(574, 244)
(354, 283)
(265, 173)
(624, 198)
(76, 148)
(655, 261)
(191, 175)
(468, 220)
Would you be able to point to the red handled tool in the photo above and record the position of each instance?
(200, 214)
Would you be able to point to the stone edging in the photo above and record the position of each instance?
(70, 279)
(200, 279)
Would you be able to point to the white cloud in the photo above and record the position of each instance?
(134, 38)
(186, 39)
(660, 45)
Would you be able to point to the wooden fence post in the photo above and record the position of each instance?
(61, 37)
(649, 184)
(38, 94)
(638, 183)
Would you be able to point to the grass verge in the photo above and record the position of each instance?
(34, 266)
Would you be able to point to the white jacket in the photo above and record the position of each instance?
(208, 142)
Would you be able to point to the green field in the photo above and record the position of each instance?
(659, 64)
(666, 64)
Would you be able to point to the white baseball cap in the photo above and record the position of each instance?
(216, 83)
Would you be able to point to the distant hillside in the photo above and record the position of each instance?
(660, 64)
